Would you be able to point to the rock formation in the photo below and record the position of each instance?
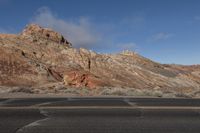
(39, 56)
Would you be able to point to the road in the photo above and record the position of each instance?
(99, 115)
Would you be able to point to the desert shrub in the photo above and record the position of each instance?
(113, 91)
(131, 92)
(182, 95)
(22, 90)
(71, 91)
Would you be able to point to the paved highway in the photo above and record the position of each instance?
(99, 115)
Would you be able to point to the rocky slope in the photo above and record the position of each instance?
(42, 57)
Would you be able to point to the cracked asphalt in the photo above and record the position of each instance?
(99, 115)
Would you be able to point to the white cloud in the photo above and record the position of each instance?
(79, 32)
(161, 36)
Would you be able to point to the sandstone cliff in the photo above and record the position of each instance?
(40, 56)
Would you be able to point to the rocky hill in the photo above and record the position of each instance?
(41, 58)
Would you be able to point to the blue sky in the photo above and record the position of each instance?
(167, 31)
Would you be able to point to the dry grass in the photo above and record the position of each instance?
(106, 91)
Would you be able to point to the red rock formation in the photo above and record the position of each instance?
(82, 79)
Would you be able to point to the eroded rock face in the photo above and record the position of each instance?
(14, 70)
(40, 56)
(82, 79)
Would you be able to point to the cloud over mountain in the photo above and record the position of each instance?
(79, 32)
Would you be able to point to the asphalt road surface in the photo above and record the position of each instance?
(99, 115)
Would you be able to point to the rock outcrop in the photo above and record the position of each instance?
(39, 56)
(36, 33)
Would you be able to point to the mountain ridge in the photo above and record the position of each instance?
(40, 56)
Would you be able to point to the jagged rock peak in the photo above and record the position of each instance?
(128, 52)
(36, 31)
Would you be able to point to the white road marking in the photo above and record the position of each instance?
(35, 123)
(31, 125)
(129, 102)
(7, 101)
